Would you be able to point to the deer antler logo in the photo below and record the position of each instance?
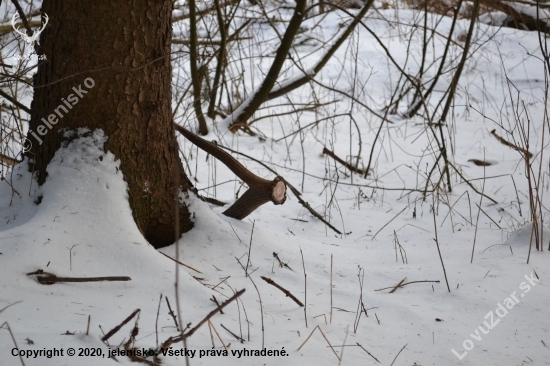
(30, 40)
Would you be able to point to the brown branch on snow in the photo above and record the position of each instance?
(171, 313)
(180, 338)
(285, 291)
(117, 328)
(260, 190)
(509, 144)
(233, 334)
(48, 280)
(343, 162)
(281, 263)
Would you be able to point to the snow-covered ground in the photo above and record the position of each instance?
(494, 314)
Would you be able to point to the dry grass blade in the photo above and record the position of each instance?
(324, 336)
(217, 334)
(7, 306)
(183, 264)
(398, 354)
(13, 339)
(398, 285)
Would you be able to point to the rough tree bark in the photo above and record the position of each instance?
(123, 48)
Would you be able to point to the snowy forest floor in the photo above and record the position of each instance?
(492, 314)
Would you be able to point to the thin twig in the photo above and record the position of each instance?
(326, 339)
(398, 354)
(171, 313)
(344, 163)
(14, 342)
(438, 250)
(157, 322)
(215, 331)
(7, 306)
(363, 348)
(398, 285)
(281, 263)
(285, 291)
(188, 334)
(117, 328)
(305, 286)
(183, 264)
(233, 334)
(215, 301)
(249, 249)
(400, 212)
(405, 284)
(88, 327)
(330, 288)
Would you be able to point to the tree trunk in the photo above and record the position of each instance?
(108, 67)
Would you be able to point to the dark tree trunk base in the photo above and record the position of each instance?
(123, 49)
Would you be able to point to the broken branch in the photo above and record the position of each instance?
(260, 190)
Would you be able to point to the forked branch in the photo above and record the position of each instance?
(260, 190)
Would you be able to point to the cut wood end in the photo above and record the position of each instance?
(278, 193)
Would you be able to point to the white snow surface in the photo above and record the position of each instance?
(83, 227)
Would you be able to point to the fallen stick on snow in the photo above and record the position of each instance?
(341, 161)
(117, 328)
(404, 284)
(285, 291)
(49, 278)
